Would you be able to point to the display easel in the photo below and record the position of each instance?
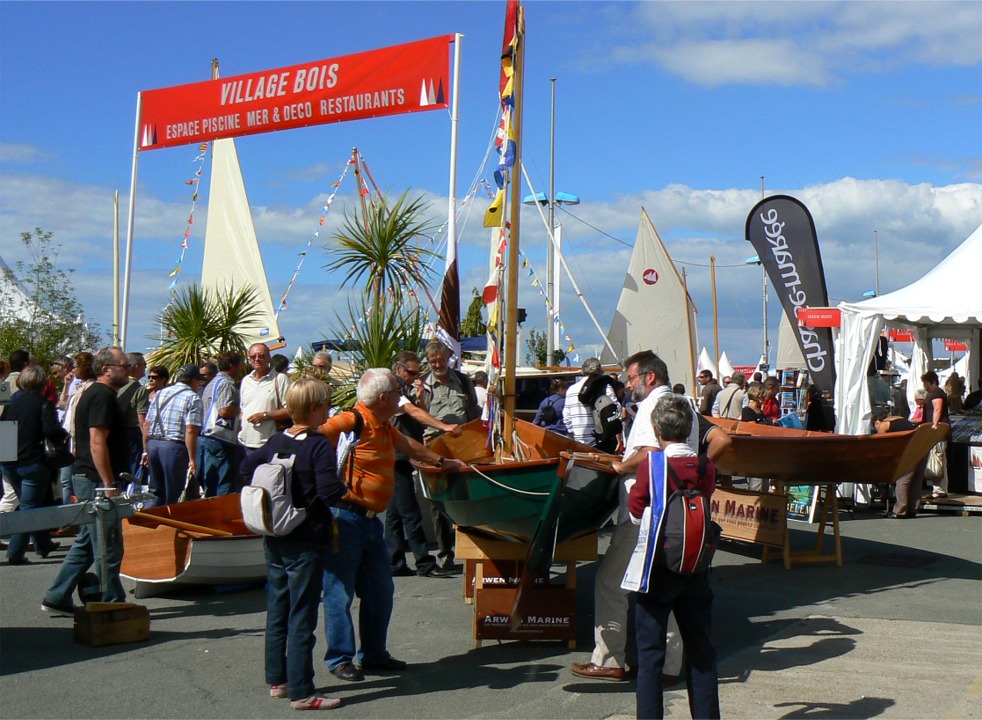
(829, 507)
(551, 608)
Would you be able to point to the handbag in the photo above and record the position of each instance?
(935, 466)
(57, 453)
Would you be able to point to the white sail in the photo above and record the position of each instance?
(788, 353)
(232, 258)
(654, 311)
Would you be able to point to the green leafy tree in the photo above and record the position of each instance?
(536, 343)
(383, 250)
(473, 323)
(379, 332)
(198, 325)
(52, 321)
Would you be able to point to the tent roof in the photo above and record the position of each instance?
(948, 294)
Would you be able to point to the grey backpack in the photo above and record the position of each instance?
(267, 502)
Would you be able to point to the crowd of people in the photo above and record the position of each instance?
(204, 429)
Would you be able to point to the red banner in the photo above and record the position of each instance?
(819, 317)
(955, 346)
(901, 335)
(388, 81)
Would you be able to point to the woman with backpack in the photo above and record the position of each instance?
(550, 412)
(295, 562)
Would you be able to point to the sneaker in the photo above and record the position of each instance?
(316, 702)
(66, 610)
(278, 691)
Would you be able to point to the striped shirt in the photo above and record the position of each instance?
(172, 410)
(577, 417)
(372, 479)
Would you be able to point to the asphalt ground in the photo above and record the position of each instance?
(894, 633)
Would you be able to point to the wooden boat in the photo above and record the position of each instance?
(199, 542)
(514, 501)
(803, 457)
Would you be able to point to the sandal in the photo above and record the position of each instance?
(316, 702)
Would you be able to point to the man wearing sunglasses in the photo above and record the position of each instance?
(262, 398)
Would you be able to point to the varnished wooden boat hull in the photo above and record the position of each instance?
(508, 501)
(804, 457)
(161, 558)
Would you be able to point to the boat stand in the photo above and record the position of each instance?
(829, 507)
(493, 568)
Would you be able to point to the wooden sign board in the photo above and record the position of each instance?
(751, 516)
(550, 614)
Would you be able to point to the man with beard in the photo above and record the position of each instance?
(647, 381)
(449, 396)
(100, 456)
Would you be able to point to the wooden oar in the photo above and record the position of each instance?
(180, 524)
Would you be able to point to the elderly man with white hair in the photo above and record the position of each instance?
(360, 564)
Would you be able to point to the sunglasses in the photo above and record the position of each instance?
(154, 377)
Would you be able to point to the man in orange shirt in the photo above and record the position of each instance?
(360, 565)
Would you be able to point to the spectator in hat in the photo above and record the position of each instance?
(173, 423)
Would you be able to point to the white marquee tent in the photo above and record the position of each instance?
(944, 303)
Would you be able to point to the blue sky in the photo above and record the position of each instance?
(870, 113)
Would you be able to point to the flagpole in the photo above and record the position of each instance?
(129, 224)
(511, 339)
(454, 122)
(116, 268)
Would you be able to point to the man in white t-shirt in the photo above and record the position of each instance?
(647, 381)
(262, 398)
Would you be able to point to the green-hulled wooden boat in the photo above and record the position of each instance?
(558, 490)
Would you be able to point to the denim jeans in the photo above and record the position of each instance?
(65, 480)
(294, 570)
(691, 597)
(219, 466)
(403, 514)
(168, 469)
(360, 567)
(83, 553)
(30, 482)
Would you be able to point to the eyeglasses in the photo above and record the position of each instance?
(257, 357)
(411, 373)
(632, 378)
(154, 377)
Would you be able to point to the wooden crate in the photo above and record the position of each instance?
(99, 624)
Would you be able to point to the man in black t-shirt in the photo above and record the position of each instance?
(100, 456)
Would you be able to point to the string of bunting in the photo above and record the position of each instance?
(194, 182)
(316, 234)
(550, 312)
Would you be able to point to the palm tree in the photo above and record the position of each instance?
(382, 248)
(198, 325)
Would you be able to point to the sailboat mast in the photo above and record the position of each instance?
(688, 326)
(511, 301)
(712, 264)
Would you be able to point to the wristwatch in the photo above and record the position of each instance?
(265, 415)
(440, 462)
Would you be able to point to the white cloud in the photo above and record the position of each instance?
(917, 226)
(810, 43)
(20, 154)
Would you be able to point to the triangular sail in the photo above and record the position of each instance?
(788, 353)
(232, 256)
(654, 311)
